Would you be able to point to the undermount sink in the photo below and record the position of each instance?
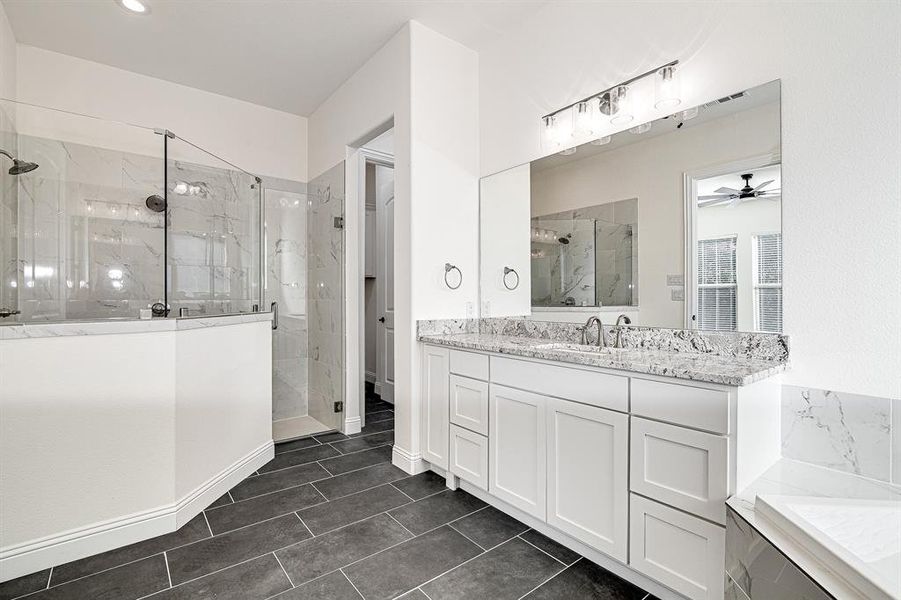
(580, 348)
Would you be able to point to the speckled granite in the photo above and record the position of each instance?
(447, 326)
(695, 366)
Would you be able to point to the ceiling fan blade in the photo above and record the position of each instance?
(715, 202)
(714, 197)
(764, 184)
(726, 190)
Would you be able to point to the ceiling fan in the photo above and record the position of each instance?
(731, 196)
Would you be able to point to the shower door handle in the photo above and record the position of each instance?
(8, 312)
(274, 309)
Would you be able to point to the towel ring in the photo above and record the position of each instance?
(507, 271)
(447, 269)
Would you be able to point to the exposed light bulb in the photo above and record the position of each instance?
(667, 88)
(621, 103)
(639, 129)
(585, 118)
(601, 141)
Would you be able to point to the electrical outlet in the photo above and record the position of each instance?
(677, 294)
(674, 280)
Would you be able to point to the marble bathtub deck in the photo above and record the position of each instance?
(709, 368)
(794, 478)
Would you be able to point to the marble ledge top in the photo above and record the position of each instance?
(709, 368)
(795, 478)
(23, 331)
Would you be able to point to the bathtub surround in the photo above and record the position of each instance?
(134, 433)
(846, 432)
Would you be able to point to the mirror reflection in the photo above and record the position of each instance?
(702, 187)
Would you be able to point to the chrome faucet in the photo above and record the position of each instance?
(593, 320)
(620, 320)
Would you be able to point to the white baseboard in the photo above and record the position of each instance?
(407, 462)
(370, 377)
(599, 558)
(353, 425)
(60, 548)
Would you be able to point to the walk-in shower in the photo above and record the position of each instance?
(119, 219)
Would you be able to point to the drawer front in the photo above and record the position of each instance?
(588, 387)
(684, 468)
(681, 404)
(469, 364)
(678, 550)
(469, 403)
(469, 456)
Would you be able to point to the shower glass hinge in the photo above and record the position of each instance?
(339, 407)
(339, 222)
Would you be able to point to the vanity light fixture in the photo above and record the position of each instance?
(639, 129)
(602, 141)
(620, 103)
(134, 6)
(569, 151)
(689, 113)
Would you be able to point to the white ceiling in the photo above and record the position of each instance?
(285, 54)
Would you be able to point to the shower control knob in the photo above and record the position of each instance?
(8, 312)
(159, 309)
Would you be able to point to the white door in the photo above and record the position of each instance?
(588, 466)
(517, 464)
(435, 405)
(384, 197)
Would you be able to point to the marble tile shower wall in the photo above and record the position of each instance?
(848, 432)
(88, 247)
(214, 228)
(286, 283)
(9, 217)
(325, 294)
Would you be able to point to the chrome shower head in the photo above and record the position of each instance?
(22, 166)
(19, 166)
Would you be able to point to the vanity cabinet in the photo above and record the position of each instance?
(587, 475)
(636, 467)
(517, 467)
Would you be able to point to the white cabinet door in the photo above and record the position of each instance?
(435, 405)
(588, 466)
(682, 467)
(469, 403)
(469, 456)
(517, 467)
(678, 550)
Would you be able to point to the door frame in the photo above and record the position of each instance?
(690, 230)
(366, 156)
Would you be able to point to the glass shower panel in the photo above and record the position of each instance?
(9, 219)
(285, 243)
(563, 262)
(87, 246)
(213, 237)
(325, 297)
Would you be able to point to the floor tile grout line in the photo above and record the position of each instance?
(400, 490)
(370, 488)
(422, 591)
(545, 581)
(49, 578)
(319, 462)
(284, 570)
(545, 551)
(232, 498)
(68, 581)
(278, 516)
(305, 526)
(212, 535)
(341, 570)
(168, 574)
(393, 518)
(340, 454)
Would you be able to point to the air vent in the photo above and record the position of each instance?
(725, 99)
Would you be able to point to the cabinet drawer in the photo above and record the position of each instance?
(469, 456)
(681, 404)
(469, 403)
(469, 364)
(588, 387)
(682, 467)
(678, 550)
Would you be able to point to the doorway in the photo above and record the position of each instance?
(377, 192)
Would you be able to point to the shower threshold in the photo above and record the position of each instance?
(296, 427)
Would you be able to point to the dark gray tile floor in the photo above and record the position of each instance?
(331, 519)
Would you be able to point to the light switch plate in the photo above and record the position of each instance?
(673, 280)
(677, 294)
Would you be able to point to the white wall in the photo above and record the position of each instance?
(258, 139)
(841, 180)
(652, 171)
(427, 86)
(7, 58)
(744, 221)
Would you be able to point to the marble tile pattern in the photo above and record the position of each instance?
(325, 297)
(693, 366)
(9, 214)
(847, 432)
(792, 478)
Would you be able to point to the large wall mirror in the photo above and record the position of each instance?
(676, 223)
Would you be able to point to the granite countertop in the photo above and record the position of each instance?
(795, 478)
(709, 368)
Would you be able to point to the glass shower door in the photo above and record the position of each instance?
(325, 297)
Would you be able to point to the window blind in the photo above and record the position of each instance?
(768, 282)
(717, 289)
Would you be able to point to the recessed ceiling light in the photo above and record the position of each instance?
(134, 6)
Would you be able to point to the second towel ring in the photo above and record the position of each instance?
(507, 271)
(447, 269)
